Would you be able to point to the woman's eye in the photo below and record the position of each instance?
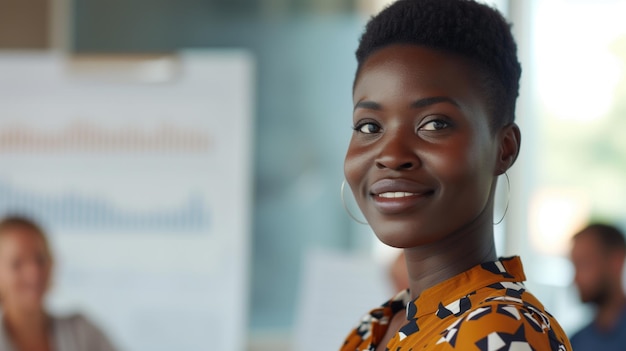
(436, 124)
(367, 128)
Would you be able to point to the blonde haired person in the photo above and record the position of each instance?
(25, 273)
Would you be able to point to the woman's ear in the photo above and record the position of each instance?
(510, 140)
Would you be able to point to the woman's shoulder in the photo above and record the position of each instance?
(80, 328)
(505, 320)
(73, 320)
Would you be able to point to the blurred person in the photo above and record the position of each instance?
(26, 265)
(598, 253)
(434, 108)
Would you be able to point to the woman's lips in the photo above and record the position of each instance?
(394, 196)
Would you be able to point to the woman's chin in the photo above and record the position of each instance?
(398, 240)
(400, 235)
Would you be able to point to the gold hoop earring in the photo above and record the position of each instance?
(508, 197)
(345, 206)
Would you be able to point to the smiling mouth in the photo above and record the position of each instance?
(396, 194)
(398, 202)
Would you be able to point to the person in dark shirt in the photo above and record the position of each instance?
(598, 254)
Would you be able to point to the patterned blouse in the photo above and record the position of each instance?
(486, 308)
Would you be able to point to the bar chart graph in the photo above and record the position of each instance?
(79, 211)
(85, 136)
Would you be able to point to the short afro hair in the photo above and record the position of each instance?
(465, 28)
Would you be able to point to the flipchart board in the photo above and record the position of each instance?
(140, 170)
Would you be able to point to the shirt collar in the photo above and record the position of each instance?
(464, 284)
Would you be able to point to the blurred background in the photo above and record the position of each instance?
(186, 158)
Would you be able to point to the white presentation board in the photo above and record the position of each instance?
(141, 173)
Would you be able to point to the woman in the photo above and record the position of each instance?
(25, 273)
(434, 100)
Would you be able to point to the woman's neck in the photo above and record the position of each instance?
(25, 322)
(434, 263)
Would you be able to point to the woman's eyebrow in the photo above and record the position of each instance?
(433, 100)
(368, 105)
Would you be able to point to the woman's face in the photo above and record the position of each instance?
(25, 268)
(422, 160)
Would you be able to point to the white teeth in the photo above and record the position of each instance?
(395, 194)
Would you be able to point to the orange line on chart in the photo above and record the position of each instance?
(87, 137)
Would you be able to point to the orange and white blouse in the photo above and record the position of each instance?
(486, 308)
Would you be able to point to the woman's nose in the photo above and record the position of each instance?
(33, 271)
(397, 153)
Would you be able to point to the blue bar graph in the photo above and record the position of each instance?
(78, 211)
